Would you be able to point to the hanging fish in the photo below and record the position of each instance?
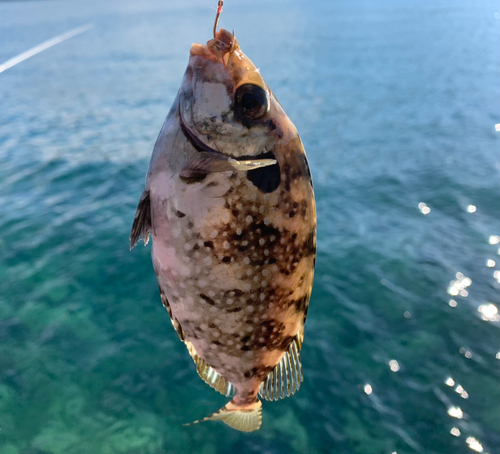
(230, 207)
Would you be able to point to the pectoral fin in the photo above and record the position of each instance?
(142, 221)
(204, 163)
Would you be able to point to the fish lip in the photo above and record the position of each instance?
(217, 49)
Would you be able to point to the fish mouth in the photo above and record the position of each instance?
(217, 49)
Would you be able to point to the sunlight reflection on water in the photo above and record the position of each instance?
(455, 412)
(458, 286)
(394, 365)
(463, 393)
(424, 208)
(494, 239)
(489, 312)
(467, 353)
(474, 444)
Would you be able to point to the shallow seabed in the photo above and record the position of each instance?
(396, 102)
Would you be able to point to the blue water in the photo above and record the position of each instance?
(396, 103)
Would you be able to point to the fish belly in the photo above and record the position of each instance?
(235, 267)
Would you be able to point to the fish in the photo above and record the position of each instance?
(229, 205)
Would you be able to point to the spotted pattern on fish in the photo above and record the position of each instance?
(253, 235)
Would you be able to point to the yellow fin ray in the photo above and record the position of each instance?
(285, 379)
(209, 375)
(245, 418)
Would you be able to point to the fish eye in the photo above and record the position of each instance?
(251, 102)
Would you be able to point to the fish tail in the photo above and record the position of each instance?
(243, 417)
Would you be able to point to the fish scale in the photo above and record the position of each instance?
(230, 207)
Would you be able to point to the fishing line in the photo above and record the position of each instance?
(43, 46)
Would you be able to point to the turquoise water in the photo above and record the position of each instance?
(396, 103)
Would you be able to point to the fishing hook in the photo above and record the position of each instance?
(219, 10)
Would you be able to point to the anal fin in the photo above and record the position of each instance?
(142, 221)
(285, 379)
(208, 374)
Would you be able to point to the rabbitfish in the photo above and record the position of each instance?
(229, 204)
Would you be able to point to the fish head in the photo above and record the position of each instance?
(225, 101)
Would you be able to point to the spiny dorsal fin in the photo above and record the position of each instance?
(174, 321)
(285, 379)
(209, 375)
(246, 418)
(142, 221)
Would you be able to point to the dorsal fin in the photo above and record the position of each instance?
(142, 221)
(174, 321)
(209, 375)
(285, 379)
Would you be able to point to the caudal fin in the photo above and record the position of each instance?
(246, 418)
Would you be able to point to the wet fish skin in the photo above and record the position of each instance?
(233, 250)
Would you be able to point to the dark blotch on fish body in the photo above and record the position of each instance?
(266, 179)
(207, 299)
